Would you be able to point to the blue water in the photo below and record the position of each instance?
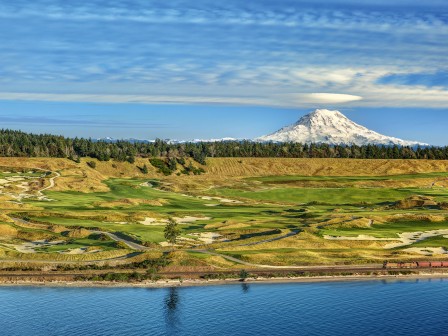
(353, 308)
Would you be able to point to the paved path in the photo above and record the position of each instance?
(129, 243)
(51, 181)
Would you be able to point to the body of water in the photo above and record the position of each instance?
(409, 308)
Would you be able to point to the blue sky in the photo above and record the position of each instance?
(206, 68)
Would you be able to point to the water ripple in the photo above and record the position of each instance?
(357, 308)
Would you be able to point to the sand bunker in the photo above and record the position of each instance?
(427, 251)
(9, 185)
(153, 221)
(220, 199)
(30, 247)
(404, 239)
(207, 237)
(189, 219)
(408, 238)
(180, 220)
(360, 237)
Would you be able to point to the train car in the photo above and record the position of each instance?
(400, 265)
(424, 264)
(390, 265)
(418, 264)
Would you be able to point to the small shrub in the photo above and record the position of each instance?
(91, 164)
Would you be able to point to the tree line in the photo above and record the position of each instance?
(21, 144)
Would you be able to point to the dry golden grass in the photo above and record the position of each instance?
(415, 201)
(7, 231)
(319, 167)
(100, 216)
(306, 240)
(34, 235)
(80, 177)
(5, 218)
(416, 217)
(48, 227)
(66, 257)
(79, 233)
(324, 257)
(131, 202)
(346, 222)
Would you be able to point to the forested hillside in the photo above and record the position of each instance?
(21, 144)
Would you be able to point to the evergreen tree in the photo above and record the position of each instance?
(171, 231)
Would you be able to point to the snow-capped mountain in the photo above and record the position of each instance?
(334, 128)
(169, 141)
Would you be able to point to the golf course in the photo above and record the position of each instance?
(236, 213)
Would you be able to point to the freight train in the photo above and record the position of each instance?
(416, 264)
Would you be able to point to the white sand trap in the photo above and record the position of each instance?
(220, 199)
(146, 184)
(404, 239)
(408, 238)
(166, 244)
(153, 221)
(211, 205)
(80, 250)
(189, 219)
(427, 251)
(207, 237)
(180, 220)
(226, 200)
(15, 179)
(29, 247)
(360, 237)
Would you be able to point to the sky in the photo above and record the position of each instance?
(208, 68)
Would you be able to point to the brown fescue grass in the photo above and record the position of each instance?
(78, 233)
(309, 241)
(416, 217)
(67, 257)
(320, 167)
(7, 231)
(131, 202)
(80, 177)
(103, 216)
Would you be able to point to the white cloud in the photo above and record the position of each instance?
(324, 76)
(137, 99)
(294, 100)
(328, 98)
(270, 15)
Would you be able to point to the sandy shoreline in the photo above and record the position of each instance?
(201, 282)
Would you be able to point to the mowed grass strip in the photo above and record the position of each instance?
(387, 230)
(333, 196)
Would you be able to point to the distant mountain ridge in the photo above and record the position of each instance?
(169, 141)
(333, 128)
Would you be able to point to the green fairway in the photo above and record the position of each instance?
(388, 230)
(342, 179)
(333, 196)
